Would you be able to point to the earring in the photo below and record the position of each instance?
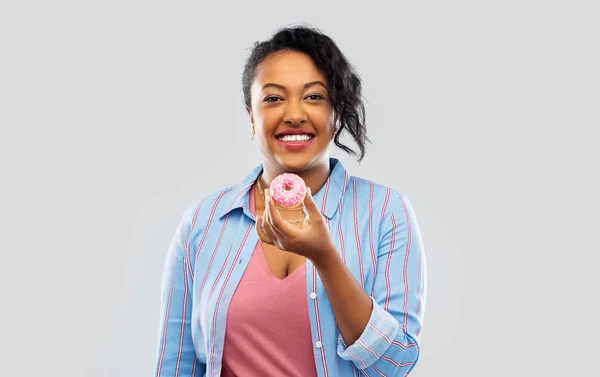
(252, 132)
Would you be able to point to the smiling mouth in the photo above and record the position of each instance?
(295, 138)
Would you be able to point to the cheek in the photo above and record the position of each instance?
(323, 122)
(268, 119)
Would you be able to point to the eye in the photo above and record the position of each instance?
(315, 97)
(269, 99)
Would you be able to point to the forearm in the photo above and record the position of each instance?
(351, 305)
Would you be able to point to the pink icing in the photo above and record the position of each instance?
(288, 189)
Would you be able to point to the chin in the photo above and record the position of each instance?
(297, 163)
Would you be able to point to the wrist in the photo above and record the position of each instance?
(328, 256)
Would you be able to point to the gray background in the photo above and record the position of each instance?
(114, 116)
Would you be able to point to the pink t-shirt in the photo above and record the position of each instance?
(268, 329)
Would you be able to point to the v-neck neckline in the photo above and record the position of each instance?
(297, 273)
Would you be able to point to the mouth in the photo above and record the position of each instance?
(295, 142)
(299, 138)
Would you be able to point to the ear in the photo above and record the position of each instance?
(335, 119)
(249, 111)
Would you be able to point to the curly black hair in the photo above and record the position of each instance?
(345, 85)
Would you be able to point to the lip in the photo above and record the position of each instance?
(295, 145)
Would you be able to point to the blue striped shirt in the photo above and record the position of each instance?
(376, 233)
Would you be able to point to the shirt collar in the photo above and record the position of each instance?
(327, 198)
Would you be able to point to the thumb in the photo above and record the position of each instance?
(311, 207)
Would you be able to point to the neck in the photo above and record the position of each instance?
(315, 176)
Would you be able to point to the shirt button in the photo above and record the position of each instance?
(318, 344)
(313, 295)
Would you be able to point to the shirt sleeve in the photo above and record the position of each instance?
(389, 345)
(176, 354)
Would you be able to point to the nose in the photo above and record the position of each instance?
(294, 113)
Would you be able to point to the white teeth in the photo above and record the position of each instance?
(295, 138)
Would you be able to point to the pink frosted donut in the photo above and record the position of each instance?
(288, 189)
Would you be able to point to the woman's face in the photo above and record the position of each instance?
(291, 111)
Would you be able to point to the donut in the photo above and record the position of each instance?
(288, 189)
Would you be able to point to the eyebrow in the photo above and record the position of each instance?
(307, 85)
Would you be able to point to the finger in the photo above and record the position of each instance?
(304, 223)
(276, 235)
(272, 236)
(268, 228)
(278, 224)
(262, 233)
(267, 211)
(259, 230)
(311, 207)
(277, 232)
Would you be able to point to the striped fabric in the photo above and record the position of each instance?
(376, 232)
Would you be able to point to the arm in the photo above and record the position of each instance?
(351, 305)
(176, 354)
(388, 344)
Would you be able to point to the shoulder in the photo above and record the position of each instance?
(207, 208)
(377, 188)
(389, 203)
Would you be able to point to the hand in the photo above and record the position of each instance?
(312, 241)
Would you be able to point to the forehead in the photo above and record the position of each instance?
(291, 68)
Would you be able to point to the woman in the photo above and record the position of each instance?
(253, 289)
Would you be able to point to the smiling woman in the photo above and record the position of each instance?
(245, 293)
